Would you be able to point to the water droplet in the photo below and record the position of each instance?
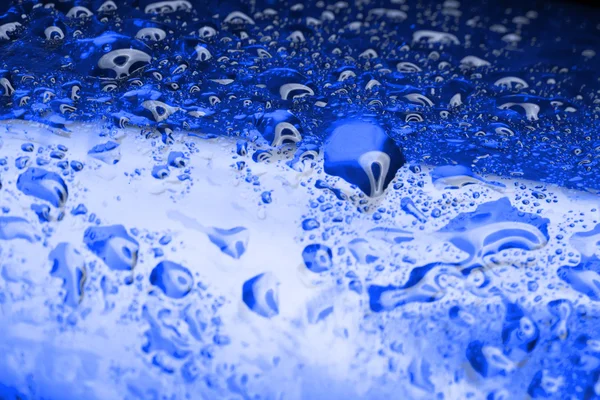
(360, 152)
(261, 295)
(173, 279)
(44, 185)
(317, 257)
(68, 264)
(113, 245)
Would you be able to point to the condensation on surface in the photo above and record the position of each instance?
(299, 201)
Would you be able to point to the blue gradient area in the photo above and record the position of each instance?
(515, 106)
(205, 199)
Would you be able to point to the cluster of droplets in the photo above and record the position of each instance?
(468, 270)
(485, 86)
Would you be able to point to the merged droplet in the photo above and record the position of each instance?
(496, 226)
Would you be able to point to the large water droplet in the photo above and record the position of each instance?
(360, 152)
(232, 242)
(173, 279)
(68, 264)
(261, 294)
(317, 257)
(113, 245)
(44, 185)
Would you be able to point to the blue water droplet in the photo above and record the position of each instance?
(57, 155)
(177, 159)
(457, 176)
(173, 279)
(81, 209)
(310, 224)
(496, 226)
(42, 211)
(266, 197)
(113, 245)
(160, 171)
(409, 207)
(44, 185)
(360, 152)
(232, 242)
(28, 147)
(165, 240)
(317, 257)
(15, 228)
(261, 294)
(279, 127)
(487, 360)
(68, 264)
(76, 165)
(22, 162)
(362, 251)
(107, 152)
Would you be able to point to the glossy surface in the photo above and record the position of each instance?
(265, 200)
